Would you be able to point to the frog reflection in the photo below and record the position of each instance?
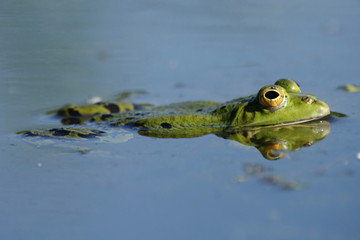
(272, 142)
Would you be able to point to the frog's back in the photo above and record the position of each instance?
(172, 115)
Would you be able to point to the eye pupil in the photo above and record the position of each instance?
(272, 94)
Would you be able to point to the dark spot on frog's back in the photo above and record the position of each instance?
(113, 108)
(166, 125)
(59, 132)
(73, 112)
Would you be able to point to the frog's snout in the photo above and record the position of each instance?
(322, 108)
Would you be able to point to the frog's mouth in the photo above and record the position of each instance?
(320, 117)
(296, 122)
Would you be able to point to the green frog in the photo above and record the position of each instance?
(276, 105)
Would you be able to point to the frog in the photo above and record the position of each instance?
(278, 104)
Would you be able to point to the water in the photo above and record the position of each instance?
(52, 53)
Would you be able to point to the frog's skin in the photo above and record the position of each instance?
(274, 105)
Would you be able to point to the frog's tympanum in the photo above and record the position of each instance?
(269, 120)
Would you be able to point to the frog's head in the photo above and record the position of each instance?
(283, 103)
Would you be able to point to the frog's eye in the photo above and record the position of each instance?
(272, 96)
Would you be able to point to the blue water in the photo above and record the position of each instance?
(57, 52)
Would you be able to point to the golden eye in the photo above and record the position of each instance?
(272, 96)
